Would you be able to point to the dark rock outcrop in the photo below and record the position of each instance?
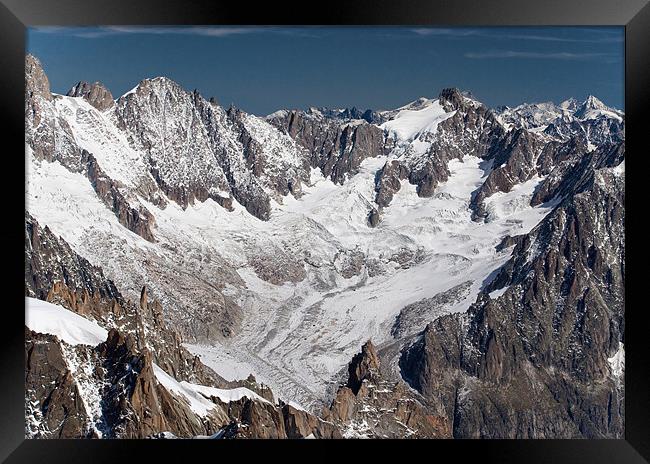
(280, 181)
(96, 94)
(388, 182)
(139, 221)
(36, 82)
(48, 135)
(53, 406)
(373, 217)
(371, 406)
(337, 148)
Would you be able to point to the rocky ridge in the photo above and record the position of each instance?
(517, 365)
(370, 406)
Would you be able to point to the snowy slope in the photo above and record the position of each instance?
(198, 396)
(95, 132)
(48, 318)
(408, 124)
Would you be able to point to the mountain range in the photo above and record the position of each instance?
(438, 270)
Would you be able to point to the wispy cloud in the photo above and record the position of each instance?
(206, 31)
(445, 31)
(609, 36)
(538, 55)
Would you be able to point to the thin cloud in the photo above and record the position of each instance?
(612, 36)
(444, 31)
(206, 31)
(537, 55)
(194, 30)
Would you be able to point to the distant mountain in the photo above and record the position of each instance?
(591, 118)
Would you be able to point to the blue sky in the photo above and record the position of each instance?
(262, 69)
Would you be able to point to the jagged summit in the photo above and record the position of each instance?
(451, 95)
(590, 118)
(363, 366)
(96, 94)
(593, 108)
(592, 102)
(36, 80)
(570, 104)
(156, 84)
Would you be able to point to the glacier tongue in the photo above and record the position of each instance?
(298, 336)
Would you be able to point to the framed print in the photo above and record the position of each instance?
(371, 224)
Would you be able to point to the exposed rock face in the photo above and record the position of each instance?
(373, 217)
(364, 365)
(48, 136)
(279, 180)
(515, 161)
(470, 129)
(36, 82)
(337, 147)
(53, 405)
(95, 94)
(229, 155)
(516, 366)
(389, 181)
(138, 220)
(111, 391)
(370, 406)
(135, 404)
(572, 174)
(161, 119)
(107, 391)
(300, 424)
(49, 260)
(55, 273)
(347, 114)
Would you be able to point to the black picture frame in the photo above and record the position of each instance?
(17, 15)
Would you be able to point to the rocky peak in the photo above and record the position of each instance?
(35, 79)
(235, 114)
(158, 85)
(571, 104)
(363, 366)
(452, 97)
(593, 106)
(372, 406)
(593, 103)
(352, 113)
(96, 94)
(119, 341)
